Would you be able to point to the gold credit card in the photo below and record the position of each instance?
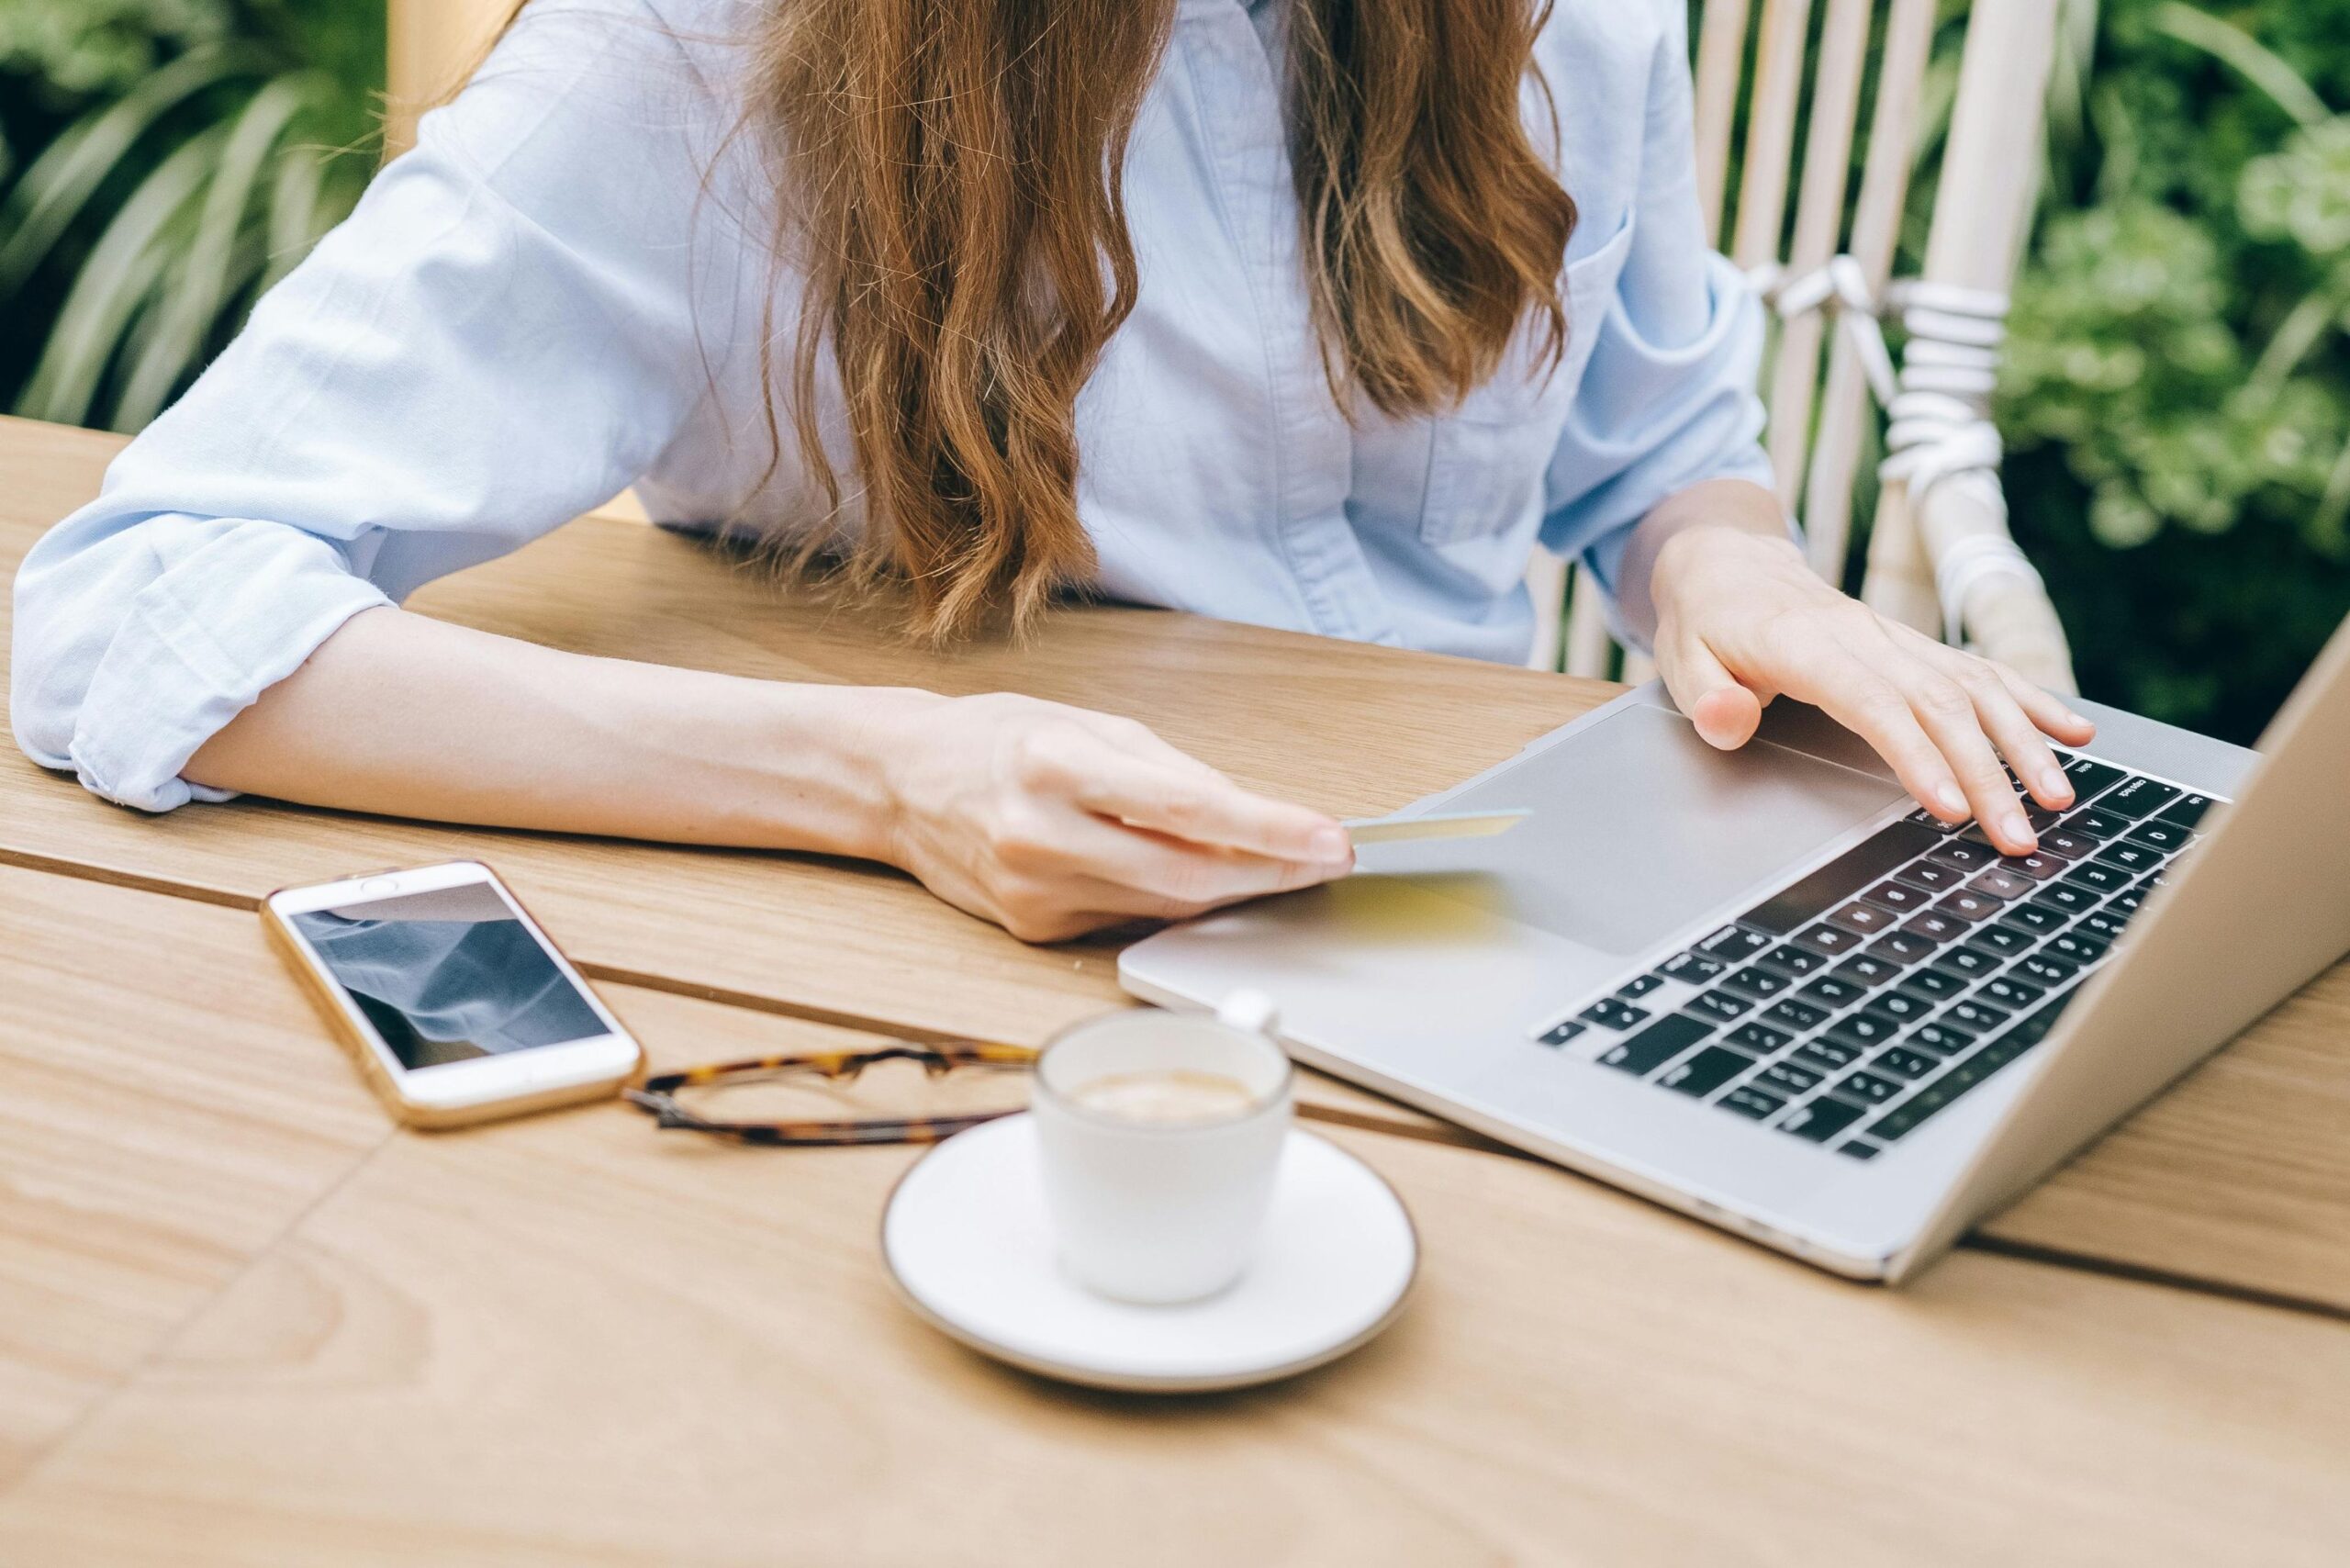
(1437, 824)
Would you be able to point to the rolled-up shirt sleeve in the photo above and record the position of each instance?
(1669, 397)
(479, 353)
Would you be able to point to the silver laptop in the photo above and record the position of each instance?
(1764, 988)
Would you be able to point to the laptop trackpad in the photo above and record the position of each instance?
(1639, 828)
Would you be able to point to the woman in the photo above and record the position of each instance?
(1314, 313)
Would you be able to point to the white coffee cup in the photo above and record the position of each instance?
(1148, 1205)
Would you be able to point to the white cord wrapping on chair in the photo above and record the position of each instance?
(1938, 405)
(1939, 430)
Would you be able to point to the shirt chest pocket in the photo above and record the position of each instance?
(1489, 457)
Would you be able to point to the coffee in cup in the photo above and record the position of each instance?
(1160, 1134)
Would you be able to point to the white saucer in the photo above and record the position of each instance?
(968, 1240)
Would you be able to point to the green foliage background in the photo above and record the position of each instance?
(2177, 406)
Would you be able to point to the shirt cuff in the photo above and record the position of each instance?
(170, 681)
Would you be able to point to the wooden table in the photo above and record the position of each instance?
(244, 1320)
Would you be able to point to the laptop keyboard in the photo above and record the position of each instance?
(1858, 1002)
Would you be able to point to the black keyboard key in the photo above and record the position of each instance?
(1901, 947)
(2005, 990)
(2035, 917)
(1637, 987)
(2105, 924)
(1758, 1038)
(1756, 981)
(1898, 897)
(2075, 947)
(1830, 992)
(2001, 883)
(2036, 866)
(2001, 938)
(1967, 904)
(1791, 1078)
(1861, 919)
(1903, 1006)
(1940, 1038)
(2069, 896)
(2164, 838)
(2090, 777)
(1820, 1119)
(1867, 1029)
(1733, 944)
(1797, 1016)
(1749, 1101)
(2066, 844)
(1868, 1088)
(1867, 970)
(1964, 854)
(1828, 941)
(2135, 858)
(1656, 1044)
(1870, 860)
(2127, 904)
(2186, 811)
(1705, 1071)
(1828, 1055)
(1610, 1014)
(1970, 962)
(1720, 1006)
(1925, 818)
(1975, 1016)
(2098, 877)
(1691, 969)
(1933, 983)
(2137, 798)
(1859, 1148)
(1934, 927)
(1560, 1034)
(2098, 825)
(2042, 970)
(1931, 875)
(2042, 818)
(1790, 959)
(1907, 1061)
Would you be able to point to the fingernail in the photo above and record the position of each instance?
(2053, 783)
(1327, 844)
(2018, 828)
(1948, 798)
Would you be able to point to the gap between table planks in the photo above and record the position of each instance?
(2237, 1179)
(573, 1340)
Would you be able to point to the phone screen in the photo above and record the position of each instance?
(449, 974)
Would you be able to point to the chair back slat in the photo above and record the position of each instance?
(1721, 59)
(1820, 221)
(1844, 411)
(1771, 132)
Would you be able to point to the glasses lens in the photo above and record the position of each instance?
(888, 1091)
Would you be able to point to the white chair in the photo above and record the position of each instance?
(1940, 557)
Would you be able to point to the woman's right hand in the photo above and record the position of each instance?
(1054, 821)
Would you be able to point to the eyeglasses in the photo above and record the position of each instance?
(818, 1081)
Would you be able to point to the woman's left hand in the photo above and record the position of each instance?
(1742, 619)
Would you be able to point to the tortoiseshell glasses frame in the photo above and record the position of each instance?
(658, 1095)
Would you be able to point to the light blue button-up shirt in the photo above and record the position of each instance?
(557, 294)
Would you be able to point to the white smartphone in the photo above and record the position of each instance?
(455, 1005)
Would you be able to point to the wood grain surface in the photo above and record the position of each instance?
(2240, 1176)
(570, 1341)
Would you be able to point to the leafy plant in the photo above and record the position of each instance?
(2177, 393)
(189, 157)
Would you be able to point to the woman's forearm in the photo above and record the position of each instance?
(408, 716)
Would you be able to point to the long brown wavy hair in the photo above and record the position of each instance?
(950, 176)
